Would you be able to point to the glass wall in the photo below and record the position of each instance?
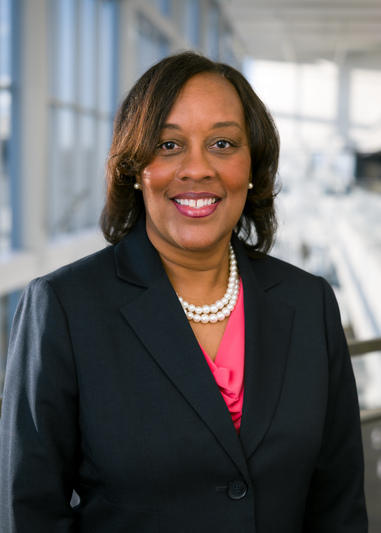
(192, 22)
(82, 104)
(163, 6)
(227, 54)
(213, 33)
(5, 124)
(151, 45)
(8, 301)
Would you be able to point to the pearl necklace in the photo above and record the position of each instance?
(222, 308)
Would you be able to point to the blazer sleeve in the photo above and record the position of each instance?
(39, 428)
(336, 502)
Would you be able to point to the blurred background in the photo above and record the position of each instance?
(66, 64)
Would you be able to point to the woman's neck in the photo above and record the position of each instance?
(199, 277)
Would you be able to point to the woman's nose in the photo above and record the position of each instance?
(196, 164)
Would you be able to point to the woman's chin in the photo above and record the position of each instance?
(202, 242)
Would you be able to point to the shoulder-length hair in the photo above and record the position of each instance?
(137, 128)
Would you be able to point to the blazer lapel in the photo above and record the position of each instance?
(157, 318)
(268, 326)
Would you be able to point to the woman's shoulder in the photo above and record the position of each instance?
(292, 284)
(87, 271)
(269, 268)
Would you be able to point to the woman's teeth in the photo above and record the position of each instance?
(196, 204)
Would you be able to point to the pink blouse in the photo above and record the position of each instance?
(228, 366)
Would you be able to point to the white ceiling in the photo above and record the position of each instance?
(306, 30)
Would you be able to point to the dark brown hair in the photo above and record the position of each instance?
(137, 128)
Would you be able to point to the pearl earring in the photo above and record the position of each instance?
(250, 185)
(137, 186)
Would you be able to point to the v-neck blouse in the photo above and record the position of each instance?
(228, 366)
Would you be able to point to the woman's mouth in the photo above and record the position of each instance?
(196, 206)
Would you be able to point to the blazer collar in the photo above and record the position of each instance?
(158, 319)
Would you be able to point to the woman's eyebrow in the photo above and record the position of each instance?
(171, 127)
(215, 126)
(226, 125)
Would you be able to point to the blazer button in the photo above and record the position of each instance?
(237, 489)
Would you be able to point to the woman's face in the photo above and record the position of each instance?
(195, 186)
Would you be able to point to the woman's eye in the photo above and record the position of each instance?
(223, 144)
(168, 145)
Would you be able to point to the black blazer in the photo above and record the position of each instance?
(108, 392)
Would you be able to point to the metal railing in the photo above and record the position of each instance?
(357, 348)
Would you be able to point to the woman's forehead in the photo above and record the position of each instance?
(208, 93)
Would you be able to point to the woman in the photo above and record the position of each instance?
(182, 380)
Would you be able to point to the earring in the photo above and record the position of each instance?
(250, 186)
(137, 186)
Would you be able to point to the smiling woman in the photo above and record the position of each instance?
(144, 129)
(181, 379)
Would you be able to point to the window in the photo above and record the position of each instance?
(213, 33)
(192, 21)
(163, 6)
(227, 53)
(5, 124)
(151, 47)
(8, 301)
(82, 105)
